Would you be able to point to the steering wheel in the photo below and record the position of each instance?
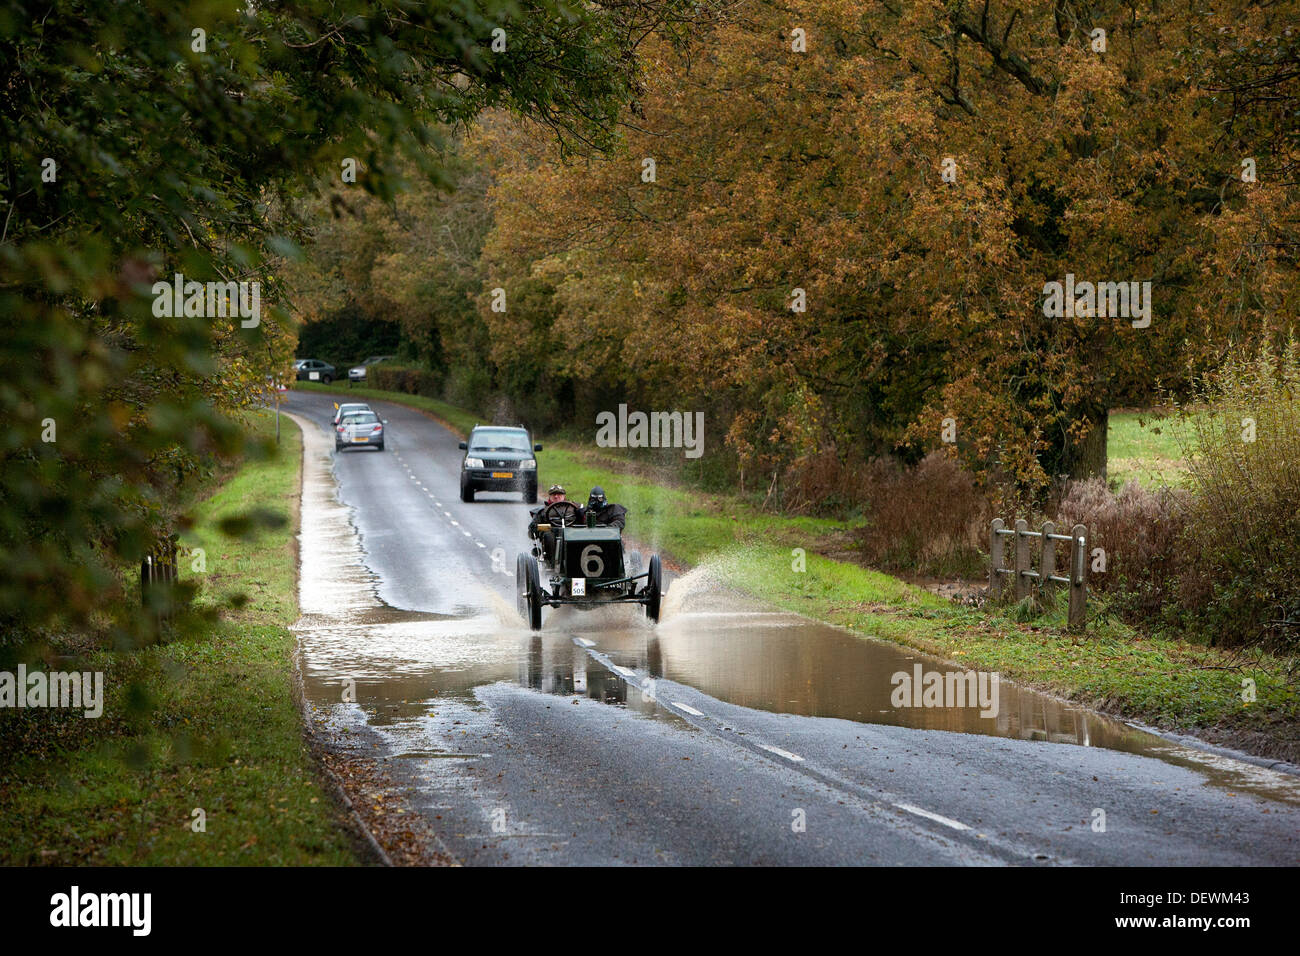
(559, 511)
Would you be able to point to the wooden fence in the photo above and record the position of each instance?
(1045, 579)
(158, 573)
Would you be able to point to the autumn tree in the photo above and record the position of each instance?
(854, 211)
(143, 140)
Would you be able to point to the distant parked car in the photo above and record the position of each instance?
(314, 370)
(359, 428)
(358, 372)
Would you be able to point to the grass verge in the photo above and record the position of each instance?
(1144, 446)
(206, 722)
(1171, 684)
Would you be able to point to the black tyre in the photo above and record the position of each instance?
(327, 378)
(530, 494)
(654, 588)
(380, 446)
(466, 492)
(528, 589)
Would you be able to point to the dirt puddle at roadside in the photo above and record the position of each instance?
(365, 663)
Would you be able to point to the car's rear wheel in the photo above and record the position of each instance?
(327, 378)
(529, 590)
(654, 588)
(380, 446)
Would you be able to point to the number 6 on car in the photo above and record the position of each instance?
(589, 570)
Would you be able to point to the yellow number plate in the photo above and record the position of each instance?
(503, 474)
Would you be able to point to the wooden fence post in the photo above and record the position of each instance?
(1078, 577)
(1047, 563)
(1022, 559)
(995, 560)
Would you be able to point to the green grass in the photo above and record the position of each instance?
(1144, 447)
(1163, 682)
(206, 721)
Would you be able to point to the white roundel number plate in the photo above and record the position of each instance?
(593, 565)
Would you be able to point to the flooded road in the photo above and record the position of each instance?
(709, 737)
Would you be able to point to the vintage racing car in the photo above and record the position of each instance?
(588, 569)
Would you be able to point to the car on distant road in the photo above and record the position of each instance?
(357, 373)
(357, 429)
(499, 458)
(349, 408)
(314, 370)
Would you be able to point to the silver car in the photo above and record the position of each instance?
(349, 408)
(359, 429)
(358, 372)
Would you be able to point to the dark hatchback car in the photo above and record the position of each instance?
(499, 458)
(314, 370)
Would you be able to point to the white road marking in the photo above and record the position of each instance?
(946, 821)
(688, 709)
(782, 753)
(584, 642)
(624, 671)
(480, 544)
(455, 522)
(447, 513)
(467, 534)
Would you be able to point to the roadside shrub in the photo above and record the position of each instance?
(405, 379)
(1244, 520)
(929, 520)
(1141, 532)
(468, 387)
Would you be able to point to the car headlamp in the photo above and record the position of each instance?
(473, 462)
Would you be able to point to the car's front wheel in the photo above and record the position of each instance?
(530, 493)
(327, 378)
(528, 588)
(466, 491)
(654, 588)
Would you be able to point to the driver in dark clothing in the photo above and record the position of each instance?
(607, 514)
(557, 510)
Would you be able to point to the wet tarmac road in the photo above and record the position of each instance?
(727, 734)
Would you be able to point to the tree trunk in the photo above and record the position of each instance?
(1087, 458)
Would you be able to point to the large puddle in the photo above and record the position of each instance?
(401, 662)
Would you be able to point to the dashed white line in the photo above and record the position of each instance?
(480, 544)
(782, 753)
(946, 821)
(584, 642)
(624, 671)
(467, 534)
(687, 708)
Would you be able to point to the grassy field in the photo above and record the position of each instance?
(204, 722)
(1143, 446)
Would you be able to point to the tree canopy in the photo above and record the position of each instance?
(142, 140)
